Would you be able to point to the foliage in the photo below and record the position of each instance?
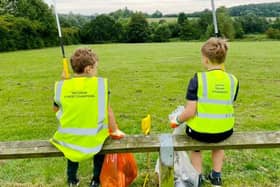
(31, 25)
(261, 9)
(187, 31)
(74, 20)
(174, 29)
(122, 13)
(264, 10)
(273, 33)
(182, 17)
(138, 28)
(162, 33)
(157, 14)
(225, 24)
(101, 29)
(252, 23)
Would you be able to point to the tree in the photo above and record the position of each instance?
(181, 18)
(162, 33)
(156, 14)
(251, 23)
(273, 33)
(101, 29)
(225, 23)
(186, 30)
(138, 28)
(204, 23)
(174, 29)
(239, 32)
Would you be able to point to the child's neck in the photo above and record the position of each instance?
(84, 75)
(216, 67)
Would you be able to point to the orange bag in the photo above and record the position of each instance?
(119, 169)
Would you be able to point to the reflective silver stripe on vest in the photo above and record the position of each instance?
(79, 148)
(231, 87)
(215, 116)
(205, 99)
(214, 101)
(101, 101)
(58, 92)
(82, 131)
(59, 113)
(204, 82)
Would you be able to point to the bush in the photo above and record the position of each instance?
(273, 33)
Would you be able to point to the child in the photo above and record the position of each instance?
(83, 112)
(209, 110)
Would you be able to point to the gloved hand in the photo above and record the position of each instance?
(118, 134)
(173, 117)
(174, 122)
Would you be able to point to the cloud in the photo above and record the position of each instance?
(165, 6)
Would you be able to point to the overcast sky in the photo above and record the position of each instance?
(88, 7)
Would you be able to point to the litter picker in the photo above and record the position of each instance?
(64, 61)
(215, 18)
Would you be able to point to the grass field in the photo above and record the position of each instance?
(144, 79)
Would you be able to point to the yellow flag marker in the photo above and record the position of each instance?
(146, 124)
(146, 128)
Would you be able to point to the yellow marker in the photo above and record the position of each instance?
(146, 124)
(65, 68)
(146, 128)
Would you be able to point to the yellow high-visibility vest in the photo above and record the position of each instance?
(216, 92)
(82, 116)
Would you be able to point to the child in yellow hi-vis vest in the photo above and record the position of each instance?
(85, 116)
(209, 113)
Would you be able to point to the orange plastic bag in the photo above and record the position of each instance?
(119, 169)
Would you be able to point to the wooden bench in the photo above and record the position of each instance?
(165, 144)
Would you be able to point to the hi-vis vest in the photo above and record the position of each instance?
(82, 116)
(216, 92)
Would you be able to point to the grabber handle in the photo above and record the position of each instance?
(65, 68)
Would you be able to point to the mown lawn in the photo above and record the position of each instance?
(144, 79)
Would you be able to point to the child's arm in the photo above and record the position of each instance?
(113, 126)
(189, 112)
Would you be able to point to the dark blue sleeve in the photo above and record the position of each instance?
(192, 89)
(236, 92)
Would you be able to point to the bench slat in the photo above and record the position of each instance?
(141, 143)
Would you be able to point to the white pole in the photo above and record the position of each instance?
(214, 18)
(57, 19)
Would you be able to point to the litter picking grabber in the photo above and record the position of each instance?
(215, 18)
(64, 61)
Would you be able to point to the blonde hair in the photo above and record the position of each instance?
(82, 58)
(215, 49)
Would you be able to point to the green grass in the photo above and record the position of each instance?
(144, 79)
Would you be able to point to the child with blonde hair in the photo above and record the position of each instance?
(209, 112)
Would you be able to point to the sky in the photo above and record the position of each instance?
(89, 7)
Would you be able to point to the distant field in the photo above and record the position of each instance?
(167, 19)
(144, 79)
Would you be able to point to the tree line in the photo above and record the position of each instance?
(28, 24)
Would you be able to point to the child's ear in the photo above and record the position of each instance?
(87, 69)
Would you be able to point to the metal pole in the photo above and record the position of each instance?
(214, 19)
(64, 61)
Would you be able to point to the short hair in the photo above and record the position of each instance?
(215, 49)
(82, 58)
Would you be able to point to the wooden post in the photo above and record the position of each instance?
(166, 161)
